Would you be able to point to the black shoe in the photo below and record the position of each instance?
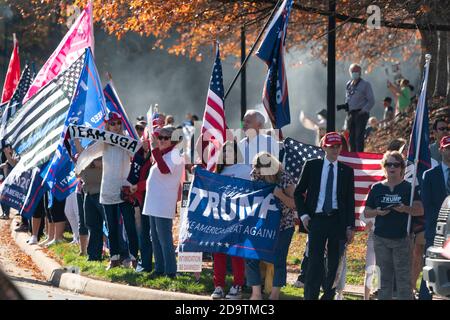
(155, 275)
(21, 228)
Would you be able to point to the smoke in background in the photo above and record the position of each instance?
(143, 76)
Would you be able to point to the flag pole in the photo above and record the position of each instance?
(422, 101)
(251, 50)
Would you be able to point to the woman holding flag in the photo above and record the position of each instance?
(268, 169)
(116, 167)
(161, 197)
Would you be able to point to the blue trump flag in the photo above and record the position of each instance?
(419, 150)
(230, 215)
(88, 108)
(271, 51)
(113, 103)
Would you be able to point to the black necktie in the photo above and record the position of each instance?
(328, 203)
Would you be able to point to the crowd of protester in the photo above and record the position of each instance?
(126, 204)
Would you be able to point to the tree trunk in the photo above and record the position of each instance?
(442, 74)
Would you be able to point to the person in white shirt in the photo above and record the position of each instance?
(256, 141)
(160, 202)
(116, 167)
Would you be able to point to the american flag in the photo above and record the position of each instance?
(366, 166)
(16, 101)
(35, 130)
(214, 125)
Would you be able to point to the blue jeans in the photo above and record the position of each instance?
(424, 293)
(279, 275)
(113, 212)
(162, 241)
(94, 215)
(82, 229)
(145, 243)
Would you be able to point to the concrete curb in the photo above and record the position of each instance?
(67, 279)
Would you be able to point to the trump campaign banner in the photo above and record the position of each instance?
(230, 215)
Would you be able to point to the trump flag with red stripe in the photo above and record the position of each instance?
(214, 125)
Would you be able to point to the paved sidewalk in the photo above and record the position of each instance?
(66, 279)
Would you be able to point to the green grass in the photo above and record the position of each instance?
(68, 255)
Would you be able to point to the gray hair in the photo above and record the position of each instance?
(258, 114)
(354, 65)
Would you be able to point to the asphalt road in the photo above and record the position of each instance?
(24, 273)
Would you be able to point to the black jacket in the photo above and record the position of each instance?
(308, 188)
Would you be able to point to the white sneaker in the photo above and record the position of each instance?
(235, 293)
(339, 296)
(299, 284)
(54, 241)
(32, 240)
(218, 293)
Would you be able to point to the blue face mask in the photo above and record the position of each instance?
(355, 75)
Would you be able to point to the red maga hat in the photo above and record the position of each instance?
(331, 139)
(445, 142)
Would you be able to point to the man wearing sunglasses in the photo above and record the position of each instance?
(435, 188)
(440, 130)
(140, 127)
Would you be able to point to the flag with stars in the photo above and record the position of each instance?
(214, 125)
(35, 133)
(231, 215)
(271, 51)
(296, 154)
(366, 167)
(16, 101)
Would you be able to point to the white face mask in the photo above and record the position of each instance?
(355, 75)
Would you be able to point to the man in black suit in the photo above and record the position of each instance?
(325, 200)
(435, 188)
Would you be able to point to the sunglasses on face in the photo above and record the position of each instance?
(392, 165)
(160, 138)
(115, 123)
(443, 129)
(140, 129)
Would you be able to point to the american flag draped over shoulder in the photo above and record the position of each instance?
(16, 101)
(366, 166)
(214, 125)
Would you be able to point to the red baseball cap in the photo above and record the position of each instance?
(331, 139)
(111, 116)
(445, 142)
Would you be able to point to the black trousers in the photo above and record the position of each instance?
(323, 231)
(356, 124)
